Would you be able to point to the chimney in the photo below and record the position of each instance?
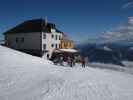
(46, 21)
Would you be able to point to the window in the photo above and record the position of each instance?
(56, 46)
(65, 44)
(59, 37)
(52, 45)
(22, 39)
(52, 36)
(59, 45)
(19, 40)
(70, 44)
(44, 36)
(47, 56)
(56, 37)
(44, 46)
(16, 40)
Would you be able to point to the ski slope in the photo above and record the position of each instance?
(25, 77)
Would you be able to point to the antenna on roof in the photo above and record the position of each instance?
(46, 21)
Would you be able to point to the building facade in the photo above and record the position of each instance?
(35, 37)
(66, 43)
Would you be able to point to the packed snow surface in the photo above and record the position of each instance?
(25, 77)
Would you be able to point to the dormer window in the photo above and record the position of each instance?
(53, 30)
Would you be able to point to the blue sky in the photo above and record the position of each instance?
(80, 19)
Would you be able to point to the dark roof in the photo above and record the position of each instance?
(35, 25)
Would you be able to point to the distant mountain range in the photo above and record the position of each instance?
(111, 47)
(113, 53)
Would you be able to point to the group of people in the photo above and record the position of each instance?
(71, 61)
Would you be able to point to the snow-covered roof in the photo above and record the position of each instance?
(69, 50)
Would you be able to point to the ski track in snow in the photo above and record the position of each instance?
(25, 77)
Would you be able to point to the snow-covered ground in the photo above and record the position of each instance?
(127, 68)
(25, 77)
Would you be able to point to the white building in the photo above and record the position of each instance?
(35, 37)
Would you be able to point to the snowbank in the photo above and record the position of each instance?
(25, 77)
(107, 66)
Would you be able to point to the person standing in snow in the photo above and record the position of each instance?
(74, 61)
(86, 61)
(56, 61)
(70, 62)
(83, 62)
(61, 61)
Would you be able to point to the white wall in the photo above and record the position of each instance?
(31, 40)
(49, 41)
